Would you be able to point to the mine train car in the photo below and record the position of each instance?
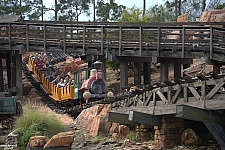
(89, 85)
(9, 108)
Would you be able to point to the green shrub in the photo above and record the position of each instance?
(132, 136)
(98, 139)
(35, 122)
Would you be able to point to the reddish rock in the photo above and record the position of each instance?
(189, 137)
(123, 131)
(99, 125)
(37, 142)
(63, 139)
(86, 117)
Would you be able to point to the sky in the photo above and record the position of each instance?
(127, 3)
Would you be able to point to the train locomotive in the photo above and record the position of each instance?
(92, 88)
(88, 86)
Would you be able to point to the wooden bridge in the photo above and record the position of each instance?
(177, 43)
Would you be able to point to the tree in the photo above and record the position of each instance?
(133, 14)
(109, 10)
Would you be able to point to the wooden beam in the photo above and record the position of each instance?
(217, 131)
(137, 73)
(119, 118)
(145, 118)
(1, 77)
(177, 71)
(147, 73)
(123, 74)
(163, 72)
(173, 60)
(19, 83)
(200, 115)
(134, 58)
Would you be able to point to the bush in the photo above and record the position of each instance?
(113, 65)
(132, 136)
(35, 122)
(98, 139)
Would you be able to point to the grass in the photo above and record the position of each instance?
(36, 122)
(132, 136)
(97, 139)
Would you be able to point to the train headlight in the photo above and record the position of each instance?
(86, 94)
(110, 94)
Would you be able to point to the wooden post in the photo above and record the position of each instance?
(104, 67)
(64, 38)
(9, 37)
(120, 40)
(44, 26)
(137, 73)
(13, 66)
(158, 41)
(123, 75)
(27, 37)
(177, 71)
(19, 84)
(216, 68)
(147, 73)
(140, 41)
(102, 39)
(1, 77)
(211, 43)
(8, 62)
(84, 34)
(163, 72)
(183, 41)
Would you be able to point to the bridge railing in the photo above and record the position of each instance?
(124, 39)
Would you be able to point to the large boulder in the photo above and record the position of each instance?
(93, 120)
(36, 142)
(61, 140)
(189, 137)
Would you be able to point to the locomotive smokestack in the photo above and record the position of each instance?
(98, 65)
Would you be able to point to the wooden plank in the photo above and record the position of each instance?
(64, 38)
(162, 97)
(9, 36)
(140, 41)
(158, 41)
(45, 31)
(27, 38)
(84, 34)
(102, 39)
(120, 40)
(119, 118)
(183, 41)
(194, 92)
(217, 131)
(214, 90)
(144, 118)
(174, 99)
(200, 115)
(211, 43)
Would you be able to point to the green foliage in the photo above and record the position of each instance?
(108, 10)
(98, 139)
(113, 65)
(133, 14)
(132, 136)
(35, 121)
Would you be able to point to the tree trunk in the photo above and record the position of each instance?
(203, 5)
(144, 7)
(94, 9)
(56, 10)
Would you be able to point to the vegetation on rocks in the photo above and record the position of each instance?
(132, 136)
(36, 122)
